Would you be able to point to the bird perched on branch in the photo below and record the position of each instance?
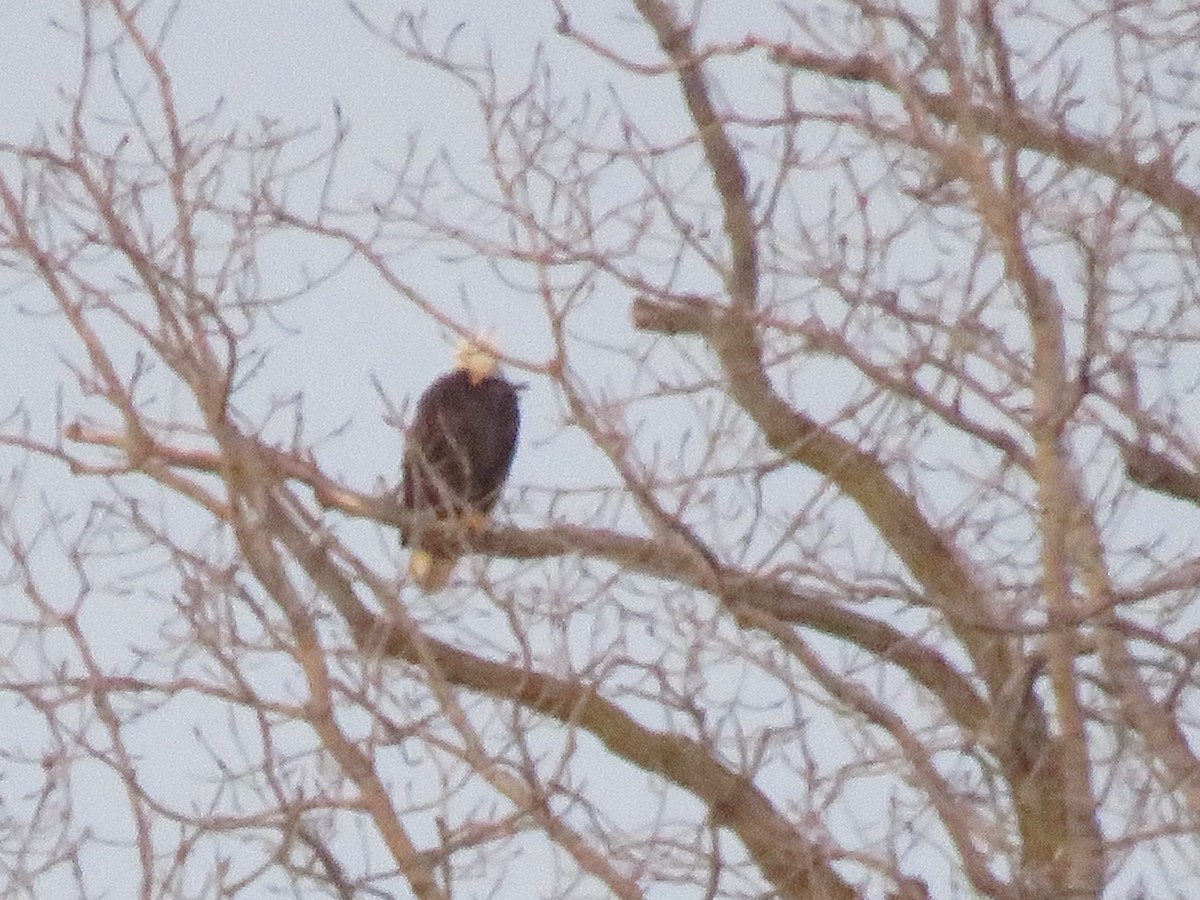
(457, 455)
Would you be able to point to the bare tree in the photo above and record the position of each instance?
(850, 548)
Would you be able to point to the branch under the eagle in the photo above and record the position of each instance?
(763, 593)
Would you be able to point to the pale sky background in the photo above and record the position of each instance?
(293, 61)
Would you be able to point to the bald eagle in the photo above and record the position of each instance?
(457, 455)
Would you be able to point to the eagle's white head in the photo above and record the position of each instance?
(477, 357)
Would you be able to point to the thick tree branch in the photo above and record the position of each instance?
(1158, 472)
(929, 557)
(646, 556)
(729, 175)
(794, 864)
(1047, 135)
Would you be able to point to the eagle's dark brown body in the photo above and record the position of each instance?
(456, 459)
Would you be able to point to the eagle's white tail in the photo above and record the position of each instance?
(430, 572)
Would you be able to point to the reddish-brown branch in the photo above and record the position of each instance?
(792, 862)
(1044, 134)
(646, 556)
(1158, 472)
(729, 175)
